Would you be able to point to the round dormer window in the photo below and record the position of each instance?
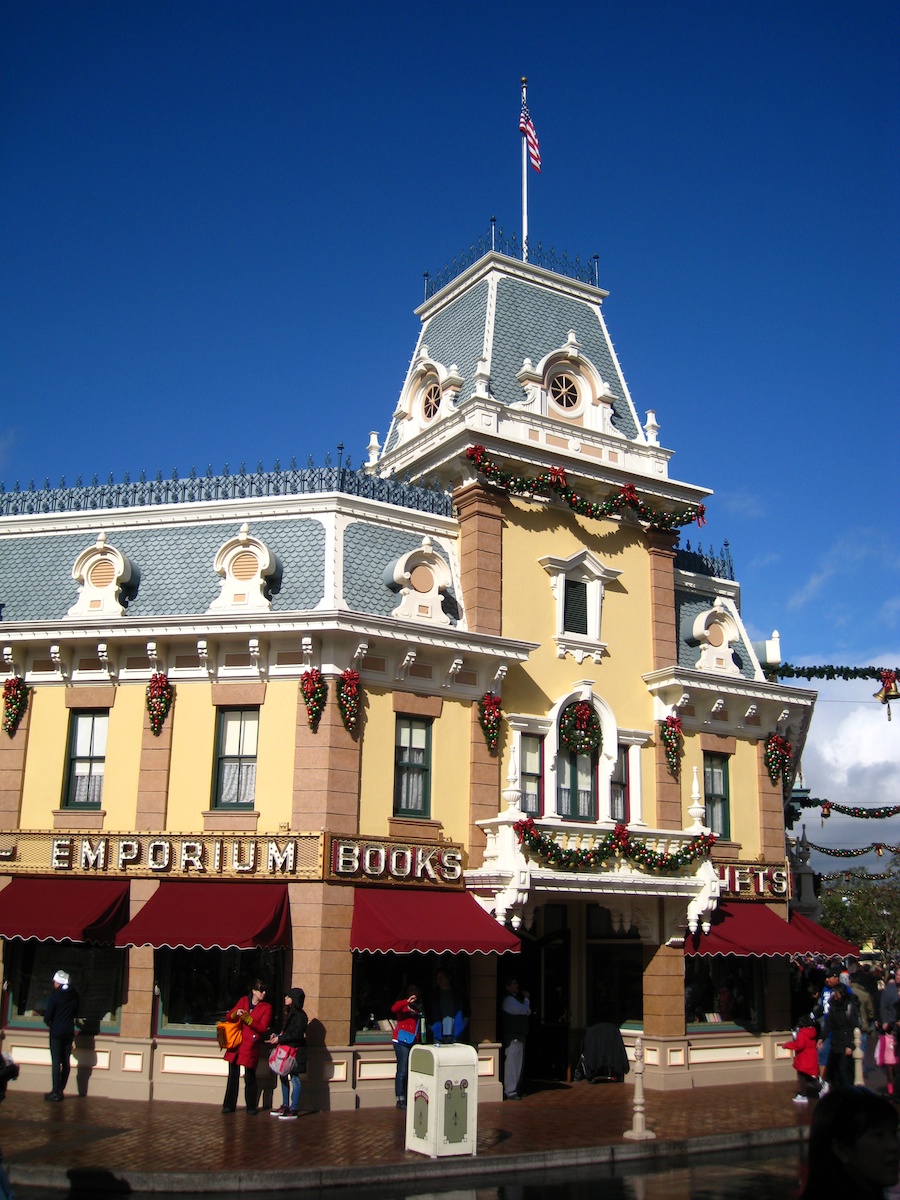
(431, 402)
(564, 391)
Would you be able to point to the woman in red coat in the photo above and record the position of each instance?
(806, 1059)
(256, 1014)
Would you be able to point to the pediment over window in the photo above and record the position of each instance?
(421, 577)
(578, 584)
(245, 564)
(101, 572)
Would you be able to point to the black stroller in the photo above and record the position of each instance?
(603, 1059)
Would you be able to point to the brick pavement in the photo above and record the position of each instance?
(168, 1146)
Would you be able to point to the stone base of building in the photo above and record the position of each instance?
(707, 1059)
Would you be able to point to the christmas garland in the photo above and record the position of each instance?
(315, 693)
(489, 718)
(670, 735)
(617, 844)
(878, 847)
(579, 728)
(862, 876)
(160, 694)
(554, 480)
(779, 753)
(15, 702)
(848, 810)
(786, 671)
(348, 698)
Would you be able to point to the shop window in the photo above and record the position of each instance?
(197, 987)
(715, 794)
(96, 972)
(619, 807)
(531, 775)
(236, 758)
(380, 979)
(87, 758)
(724, 990)
(576, 796)
(412, 768)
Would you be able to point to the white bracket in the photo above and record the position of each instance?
(108, 665)
(403, 669)
(57, 659)
(361, 651)
(203, 654)
(455, 668)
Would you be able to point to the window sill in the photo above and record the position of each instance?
(230, 820)
(78, 818)
(579, 647)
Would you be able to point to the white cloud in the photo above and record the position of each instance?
(810, 589)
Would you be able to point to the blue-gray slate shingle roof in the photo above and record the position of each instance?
(368, 550)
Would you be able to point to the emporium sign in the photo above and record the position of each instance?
(383, 860)
(188, 855)
(754, 880)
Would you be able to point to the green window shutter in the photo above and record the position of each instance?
(575, 612)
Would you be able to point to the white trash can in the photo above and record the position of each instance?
(442, 1100)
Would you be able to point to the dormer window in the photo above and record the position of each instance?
(245, 564)
(716, 632)
(564, 391)
(578, 585)
(421, 577)
(101, 572)
(431, 401)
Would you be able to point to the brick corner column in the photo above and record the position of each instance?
(484, 788)
(771, 808)
(137, 1009)
(327, 767)
(153, 778)
(480, 514)
(13, 752)
(664, 645)
(663, 986)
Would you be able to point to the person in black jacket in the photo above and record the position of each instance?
(840, 1022)
(293, 1034)
(59, 1017)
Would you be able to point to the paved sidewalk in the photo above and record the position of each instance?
(99, 1145)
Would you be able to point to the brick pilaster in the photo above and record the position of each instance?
(137, 1008)
(321, 962)
(480, 514)
(326, 771)
(663, 985)
(664, 648)
(12, 769)
(771, 809)
(153, 780)
(484, 788)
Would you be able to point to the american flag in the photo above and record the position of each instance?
(526, 126)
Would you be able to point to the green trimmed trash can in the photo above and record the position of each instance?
(442, 1100)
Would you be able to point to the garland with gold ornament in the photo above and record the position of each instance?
(670, 735)
(856, 852)
(849, 810)
(860, 876)
(348, 698)
(554, 480)
(579, 728)
(315, 694)
(616, 844)
(489, 714)
(15, 703)
(778, 756)
(160, 695)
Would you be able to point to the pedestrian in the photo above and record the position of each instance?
(59, 1017)
(806, 1059)
(407, 1011)
(853, 1147)
(8, 1072)
(820, 1012)
(888, 1015)
(448, 1019)
(865, 1009)
(255, 1013)
(840, 1022)
(293, 1034)
(516, 1013)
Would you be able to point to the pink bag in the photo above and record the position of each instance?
(283, 1059)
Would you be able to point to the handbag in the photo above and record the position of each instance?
(283, 1059)
(229, 1034)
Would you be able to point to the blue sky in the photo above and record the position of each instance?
(215, 217)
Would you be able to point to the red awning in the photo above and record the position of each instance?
(208, 915)
(816, 940)
(404, 920)
(60, 910)
(747, 929)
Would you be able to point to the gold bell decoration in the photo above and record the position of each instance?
(888, 690)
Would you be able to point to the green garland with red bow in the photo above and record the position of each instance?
(579, 728)
(856, 852)
(554, 480)
(849, 810)
(315, 694)
(489, 714)
(15, 703)
(778, 757)
(616, 844)
(160, 695)
(670, 735)
(348, 697)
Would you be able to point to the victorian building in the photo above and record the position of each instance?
(468, 707)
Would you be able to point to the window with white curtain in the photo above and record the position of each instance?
(576, 796)
(412, 767)
(87, 758)
(236, 759)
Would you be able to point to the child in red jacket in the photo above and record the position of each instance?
(806, 1060)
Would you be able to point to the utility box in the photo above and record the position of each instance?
(442, 1100)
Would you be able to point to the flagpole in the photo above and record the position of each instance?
(524, 180)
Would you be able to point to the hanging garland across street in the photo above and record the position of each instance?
(15, 703)
(670, 734)
(160, 694)
(489, 714)
(617, 844)
(554, 480)
(348, 698)
(579, 728)
(878, 847)
(849, 810)
(861, 876)
(778, 756)
(787, 671)
(315, 693)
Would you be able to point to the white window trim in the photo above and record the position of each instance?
(583, 567)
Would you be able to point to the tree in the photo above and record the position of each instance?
(866, 910)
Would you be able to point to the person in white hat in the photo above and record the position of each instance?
(59, 1017)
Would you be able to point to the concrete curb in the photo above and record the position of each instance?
(86, 1181)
